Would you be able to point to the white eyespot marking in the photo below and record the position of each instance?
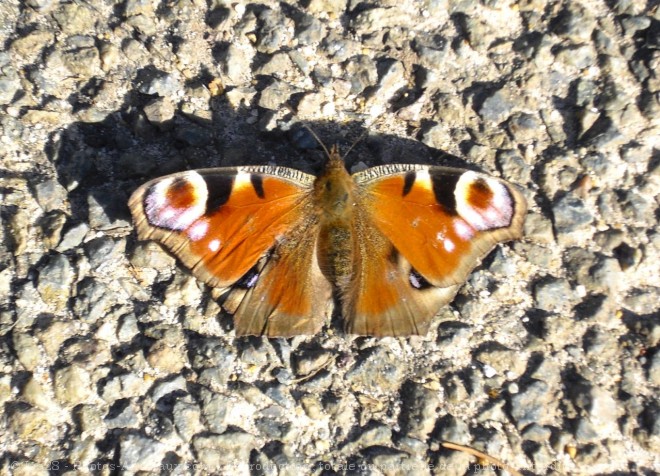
(414, 281)
(198, 230)
(423, 179)
(449, 245)
(464, 231)
(167, 214)
(483, 202)
(214, 245)
(242, 179)
(176, 203)
(415, 222)
(252, 281)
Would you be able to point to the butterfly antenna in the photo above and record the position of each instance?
(356, 142)
(366, 131)
(309, 129)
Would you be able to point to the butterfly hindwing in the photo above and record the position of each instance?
(382, 298)
(296, 292)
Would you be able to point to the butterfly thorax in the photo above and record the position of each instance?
(334, 193)
(334, 190)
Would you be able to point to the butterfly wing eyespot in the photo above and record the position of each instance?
(226, 225)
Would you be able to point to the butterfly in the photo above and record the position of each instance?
(391, 244)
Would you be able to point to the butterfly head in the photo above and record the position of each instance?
(334, 188)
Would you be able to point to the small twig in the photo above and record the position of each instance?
(314, 372)
(479, 454)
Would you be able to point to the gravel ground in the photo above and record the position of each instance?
(112, 357)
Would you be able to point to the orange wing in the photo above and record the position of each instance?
(382, 299)
(443, 220)
(230, 226)
(433, 226)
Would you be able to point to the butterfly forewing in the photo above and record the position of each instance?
(442, 220)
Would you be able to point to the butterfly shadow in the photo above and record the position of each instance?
(101, 162)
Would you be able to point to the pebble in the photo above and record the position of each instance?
(214, 410)
(274, 94)
(167, 358)
(579, 57)
(84, 62)
(236, 65)
(103, 250)
(309, 30)
(420, 412)
(155, 82)
(140, 453)
(391, 81)
(187, 419)
(51, 226)
(274, 31)
(51, 195)
(279, 65)
(523, 127)
(454, 430)
(377, 435)
(538, 228)
(126, 385)
(72, 385)
(376, 370)
(55, 335)
(93, 301)
(553, 294)
(104, 209)
(497, 107)
(32, 424)
(310, 362)
(184, 289)
(10, 84)
(241, 97)
(513, 167)
(533, 404)
(124, 414)
(160, 112)
(503, 361)
(150, 254)
(74, 18)
(232, 447)
(34, 393)
(55, 281)
(327, 7)
(571, 215)
(362, 73)
(73, 237)
(599, 408)
(654, 369)
(574, 22)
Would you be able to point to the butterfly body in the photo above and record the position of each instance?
(392, 244)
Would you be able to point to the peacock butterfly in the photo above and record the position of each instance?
(392, 243)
